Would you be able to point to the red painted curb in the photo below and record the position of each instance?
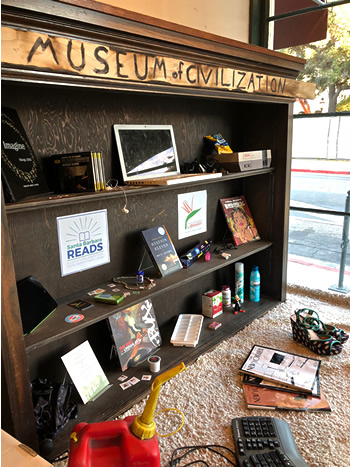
(334, 172)
(320, 266)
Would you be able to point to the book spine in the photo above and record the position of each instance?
(93, 170)
(8, 193)
(97, 172)
(102, 171)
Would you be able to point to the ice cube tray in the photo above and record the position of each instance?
(187, 330)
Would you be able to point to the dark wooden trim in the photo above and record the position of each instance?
(18, 415)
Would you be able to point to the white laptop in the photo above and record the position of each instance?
(148, 156)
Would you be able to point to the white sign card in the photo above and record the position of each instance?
(86, 372)
(83, 241)
(192, 213)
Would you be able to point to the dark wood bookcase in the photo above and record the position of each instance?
(66, 112)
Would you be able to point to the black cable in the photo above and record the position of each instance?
(174, 462)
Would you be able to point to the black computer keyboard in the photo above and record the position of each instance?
(265, 442)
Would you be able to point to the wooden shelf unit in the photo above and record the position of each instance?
(65, 112)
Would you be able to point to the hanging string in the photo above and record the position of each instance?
(112, 184)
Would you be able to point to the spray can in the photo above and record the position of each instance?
(254, 289)
(239, 281)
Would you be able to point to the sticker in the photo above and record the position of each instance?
(74, 318)
(95, 292)
(111, 285)
(80, 305)
(122, 378)
(125, 385)
(146, 377)
(134, 380)
(115, 290)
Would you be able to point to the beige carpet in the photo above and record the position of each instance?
(209, 393)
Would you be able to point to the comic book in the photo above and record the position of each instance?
(135, 333)
(239, 220)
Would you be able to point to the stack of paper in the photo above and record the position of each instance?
(273, 379)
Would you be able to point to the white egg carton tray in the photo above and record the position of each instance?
(187, 331)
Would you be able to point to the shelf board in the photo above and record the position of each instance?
(115, 401)
(68, 199)
(55, 326)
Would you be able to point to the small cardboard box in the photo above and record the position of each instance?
(243, 161)
(14, 453)
(212, 303)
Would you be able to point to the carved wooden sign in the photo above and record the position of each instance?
(46, 52)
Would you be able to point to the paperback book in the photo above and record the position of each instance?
(292, 370)
(21, 174)
(135, 333)
(239, 220)
(161, 250)
(258, 397)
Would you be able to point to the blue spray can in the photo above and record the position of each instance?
(254, 289)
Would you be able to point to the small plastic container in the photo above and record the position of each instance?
(187, 331)
(226, 295)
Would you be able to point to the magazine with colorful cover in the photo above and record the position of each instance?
(161, 250)
(292, 370)
(265, 398)
(239, 220)
(135, 333)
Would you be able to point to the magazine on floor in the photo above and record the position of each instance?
(271, 399)
(290, 369)
(264, 383)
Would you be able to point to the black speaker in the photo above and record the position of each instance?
(35, 302)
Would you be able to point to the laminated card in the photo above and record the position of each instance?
(86, 372)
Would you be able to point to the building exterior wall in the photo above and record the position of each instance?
(321, 136)
(225, 18)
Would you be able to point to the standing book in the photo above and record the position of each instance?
(161, 250)
(293, 370)
(239, 220)
(270, 399)
(75, 172)
(135, 333)
(21, 174)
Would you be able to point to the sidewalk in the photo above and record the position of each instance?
(307, 272)
(312, 274)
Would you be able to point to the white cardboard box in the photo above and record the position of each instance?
(16, 454)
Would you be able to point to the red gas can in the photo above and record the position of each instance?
(131, 442)
(111, 444)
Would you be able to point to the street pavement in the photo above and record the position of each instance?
(308, 272)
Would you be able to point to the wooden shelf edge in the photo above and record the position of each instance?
(54, 200)
(55, 327)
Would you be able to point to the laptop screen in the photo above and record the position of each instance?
(146, 151)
